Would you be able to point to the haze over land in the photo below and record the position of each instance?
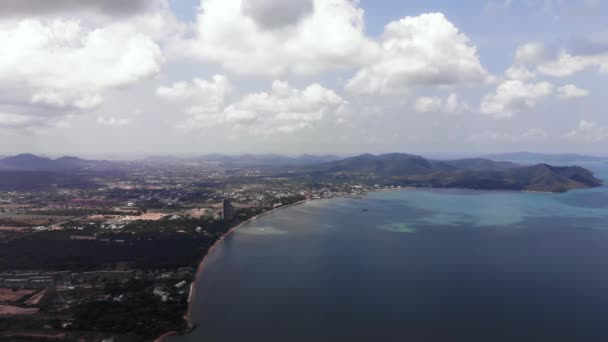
(109, 78)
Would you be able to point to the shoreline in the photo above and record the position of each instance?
(201, 267)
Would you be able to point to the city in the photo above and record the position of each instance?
(71, 254)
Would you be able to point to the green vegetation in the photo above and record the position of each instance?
(139, 311)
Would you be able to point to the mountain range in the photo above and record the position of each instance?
(31, 162)
(473, 173)
(387, 169)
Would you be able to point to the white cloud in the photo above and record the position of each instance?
(519, 73)
(570, 90)
(283, 109)
(427, 104)
(526, 56)
(426, 50)
(65, 66)
(62, 59)
(202, 96)
(512, 96)
(452, 104)
(271, 37)
(565, 65)
(36, 7)
(530, 53)
(153, 18)
(533, 58)
(589, 131)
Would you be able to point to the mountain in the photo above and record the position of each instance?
(24, 161)
(474, 173)
(479, 164)
(536, 157)
(541, 177)
(30, 162)
(265, 160)
(401, 164)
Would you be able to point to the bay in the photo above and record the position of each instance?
(414, 265)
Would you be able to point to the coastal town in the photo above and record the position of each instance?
(95, 250)
(129, 246)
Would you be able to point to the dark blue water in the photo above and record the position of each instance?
(414, 265)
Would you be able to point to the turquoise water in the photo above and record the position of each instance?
(414, 265)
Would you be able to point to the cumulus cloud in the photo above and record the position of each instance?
(530, 53)
(153, 18)
(526, 56)
(285, 108)
(589, 131)
(519, 73)
(512, 96)
(452, 104)
(426, 50)
(36, 7)
(272, 14)
(570, 90)
(425, 104)
(566, 64)
(535, 58)
(62, 64)
(282, 109)
(202, 96)
(272, 37)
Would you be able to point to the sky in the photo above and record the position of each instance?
(188, 77)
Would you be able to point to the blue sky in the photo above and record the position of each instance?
(303, 76)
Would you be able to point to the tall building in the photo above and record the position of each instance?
(227, 210)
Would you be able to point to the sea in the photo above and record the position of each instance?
(414, 265)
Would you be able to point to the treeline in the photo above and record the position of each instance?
(145, 244)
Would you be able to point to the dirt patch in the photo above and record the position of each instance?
(35, 299)
(147, 217)
(8, 295)
(195, 213)
(12, 229)
(6, 310)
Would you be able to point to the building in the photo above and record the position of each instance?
(227, 210)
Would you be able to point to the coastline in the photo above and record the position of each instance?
(201, 267)
(202, 263)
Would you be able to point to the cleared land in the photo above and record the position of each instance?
(8, 295)
(9, 310)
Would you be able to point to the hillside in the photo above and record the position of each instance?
(30, 162)
(474, 173)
